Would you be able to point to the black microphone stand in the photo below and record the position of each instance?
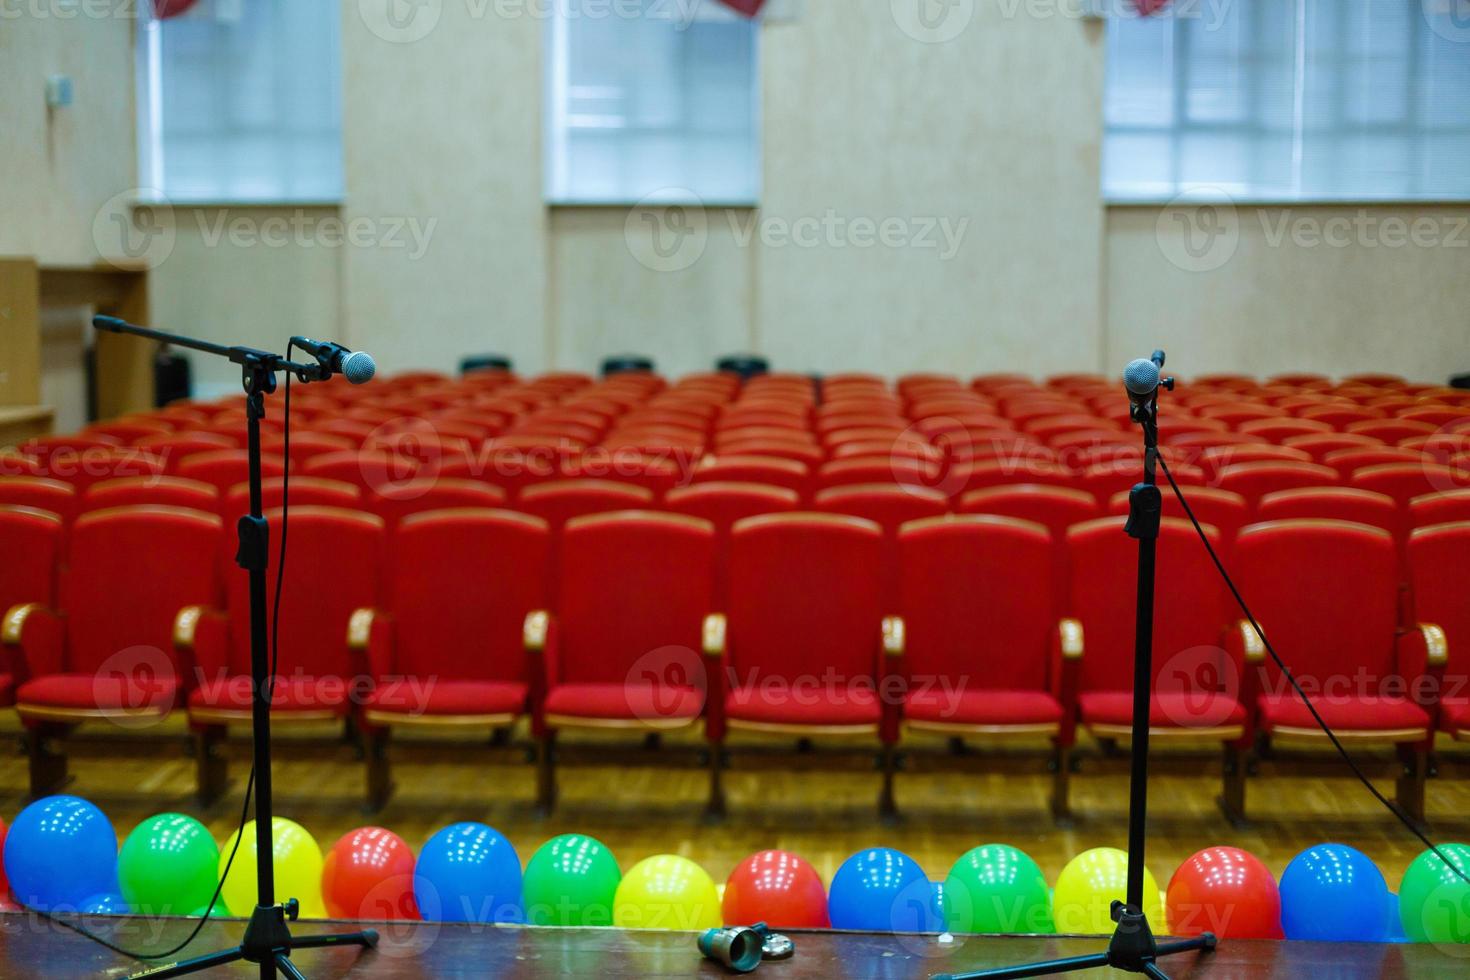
(268, 940)
(1133, 948)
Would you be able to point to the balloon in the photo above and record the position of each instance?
(666, 892)
(221, 910)
(1226, 891)
(468, 872)
(60, 851)
(777, 888)
(1394, 931)
(1088, 886)
(997, 889)
(571, 881)
(368, 874)
(866, 891)
(297, 861)
(1434, 902)
(108, 903)
(1333, 893)
(169, 865)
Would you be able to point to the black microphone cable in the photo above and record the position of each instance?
(1287, 673)
(82, 930)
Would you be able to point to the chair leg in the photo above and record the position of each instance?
(1410, 788)
(1061, 784)
(379, 772)
(714, 808)
(212, 765)
(47, 764)
(1232, 797)
(546, 774)
(887, 805)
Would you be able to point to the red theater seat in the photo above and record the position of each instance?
(448, 654)
(1439, 560)
(1326, 594)
(1254, 480)
(40, 493)
(877, 469)
(441, 494)
(224, 468)
(173, 448)
(107, 655)
(621, 651)
(724, 504)
(1431, 508)
(1225, 510)
(1391, 431)
(1347, 461)
(1199, 692)
(983, 656)
(306, 446)
(163, 491)
(335, 569)
(1405, 481)
(890, 507)
(807, 637)
(304, 491)
(1332, 503)
(559, 502)
(1054, 508)
(1319, 446)
(768, 470)
(33, 540)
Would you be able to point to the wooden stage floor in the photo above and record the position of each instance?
(33, 948)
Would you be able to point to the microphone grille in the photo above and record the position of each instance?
(1141, 377)
(359, 367)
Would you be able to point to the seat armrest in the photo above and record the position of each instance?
(201, 641)
(1067, 649)
(539, 635)
(1423, 656)
(892, 677)
(370, 637)
(33, 636)
(1247, 652)
(715, 640)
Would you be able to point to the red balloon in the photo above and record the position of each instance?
(777, 888)
(368, 874)
(1226, 891)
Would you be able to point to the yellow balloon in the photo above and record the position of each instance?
(1088, 885)
(297, 864)
(666, 892)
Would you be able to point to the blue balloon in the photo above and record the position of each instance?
(1334, 893)
(109, 903)
(468, 872)
(881, 890)
(60, 852)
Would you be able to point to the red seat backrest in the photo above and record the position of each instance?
(334, 566)
(39, 492)
(563, 500)
(463, 582)
(1332, 503)
(304, 491)
(32, 546)
(1405, 481)
(129, 572)
(633, 585)
(977, 601)
(1190, 612)
(163, 491)
(226, 467)
(804, 598)
(1437, 508)
(1254, 480)
(1439, 562)
(1325, 592)
(438, 494)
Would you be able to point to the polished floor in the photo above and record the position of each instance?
(822, 809)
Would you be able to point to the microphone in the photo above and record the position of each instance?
(358, 367)
(1141, 378)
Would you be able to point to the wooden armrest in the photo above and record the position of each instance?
(1251, 645)
(1436, 645)
(14, 625)
(538, 624)
(893, 636)
(1069, 631)
(360, 628)
(714, 635)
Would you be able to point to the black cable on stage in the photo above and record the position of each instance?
(1286, 672)
(250, 782)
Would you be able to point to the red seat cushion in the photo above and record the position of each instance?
(101, 692)
(651, 703)
(290, 694)
(1364, 713)
(986, 708)
(1454, 715)
(1170, 709)
(815, 704)
(429, 696)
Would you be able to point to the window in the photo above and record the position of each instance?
(651, 100)
(1289, 100)
(240, 101)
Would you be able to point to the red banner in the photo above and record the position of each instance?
(747, 7)
(1148, 8)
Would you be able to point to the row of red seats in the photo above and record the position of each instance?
(633, 633)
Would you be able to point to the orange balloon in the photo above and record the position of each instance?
(777, 888)
(368, 874)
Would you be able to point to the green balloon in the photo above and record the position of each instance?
(996, 888)
(168, 866)
(1434, 902)
(571, 881)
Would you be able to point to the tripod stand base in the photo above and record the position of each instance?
(267, 942)
(1133, 949)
